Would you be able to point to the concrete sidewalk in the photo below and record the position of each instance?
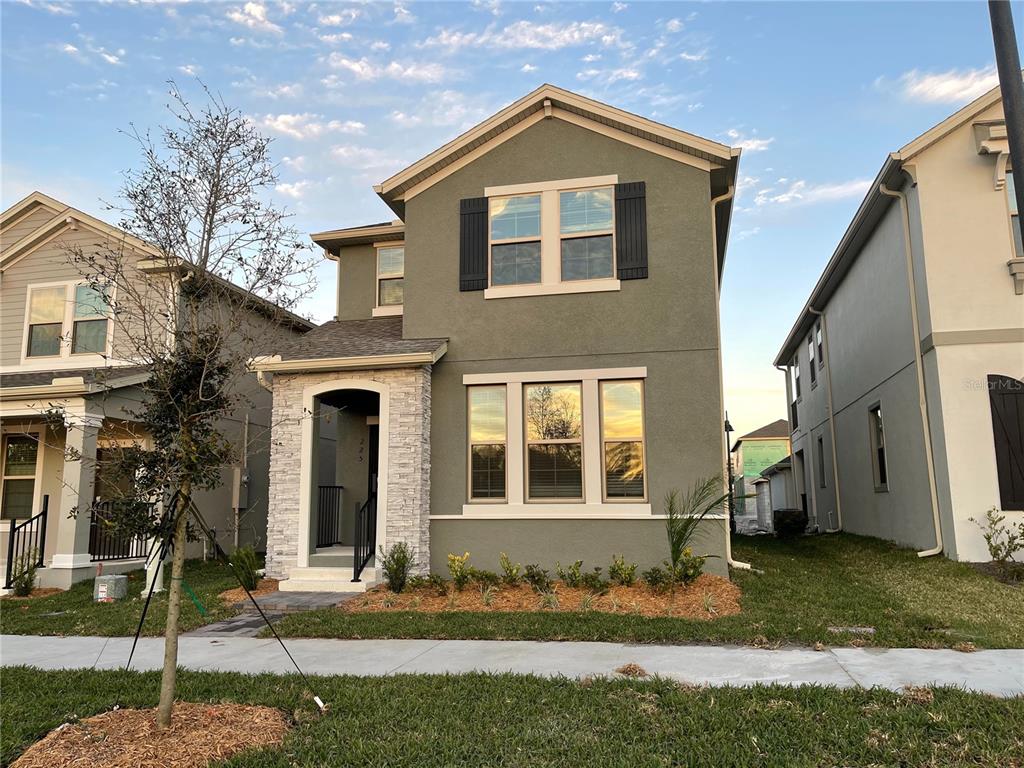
(999, 672)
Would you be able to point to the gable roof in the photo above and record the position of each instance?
(66, 216)
(777, 430)
(871, 210)
(551, 101)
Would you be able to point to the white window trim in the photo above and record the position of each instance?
(593, 504)
(66, 356)
(37, 487)
(551, 282)
(388, 310)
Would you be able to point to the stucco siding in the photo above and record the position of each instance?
(357, 282)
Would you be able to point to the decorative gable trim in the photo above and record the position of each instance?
(28, 206)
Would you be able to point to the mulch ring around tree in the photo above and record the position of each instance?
(237, 595)
(128, 738)
(707, 598)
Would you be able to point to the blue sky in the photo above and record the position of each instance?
(815, 93)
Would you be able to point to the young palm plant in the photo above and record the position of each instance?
(684, 514)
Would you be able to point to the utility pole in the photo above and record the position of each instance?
(1012, 87)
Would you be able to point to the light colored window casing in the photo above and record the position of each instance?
(8, 475)
(810, 362)
(76, 309)
(632, 436)
(879, 458)
(797, 394)
(550, 238)
(482, 439)
(1015, 233)
(384, 275)
(819, 344)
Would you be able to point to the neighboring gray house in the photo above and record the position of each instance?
(526, 360)
(60, 349)
(905, 365)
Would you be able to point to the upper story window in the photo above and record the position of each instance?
(552, 237)
(390, 280)
(795, 374)
(820, 344)
(1018, 244)
(879, 466)
(67, 319)
(810, 359)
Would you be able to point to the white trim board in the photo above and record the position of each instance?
(502, 512)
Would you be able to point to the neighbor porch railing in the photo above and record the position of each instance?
(328, 521)
(26, 542)
(106, 543)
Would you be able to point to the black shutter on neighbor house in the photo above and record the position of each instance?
(1006, 396)
(631, 230)
(473, 244)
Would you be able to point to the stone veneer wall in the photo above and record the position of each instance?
(408, 471)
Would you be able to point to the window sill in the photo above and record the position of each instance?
(541, 289)
(389, 311)
(569, 510)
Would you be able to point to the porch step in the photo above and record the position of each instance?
(329, 559)
(320, 579)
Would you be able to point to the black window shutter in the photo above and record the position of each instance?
(1006, 398)
(631, 230)
(473, 244)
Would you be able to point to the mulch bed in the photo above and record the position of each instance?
(1014, 576)
(719, 595)
(37, 592)
(128, 738)
(237, 595)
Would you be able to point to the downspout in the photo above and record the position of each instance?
(728, 195)
(919, 366)
(831, 417)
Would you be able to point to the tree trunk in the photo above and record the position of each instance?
(170, 673)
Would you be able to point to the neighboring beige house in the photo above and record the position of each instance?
(525, 361)
(59, 349)
(905, 365)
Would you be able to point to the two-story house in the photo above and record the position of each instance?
(905, 364)
(526, 360)
(752, 454)
(62, 352)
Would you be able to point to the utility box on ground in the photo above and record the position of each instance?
(110, 588)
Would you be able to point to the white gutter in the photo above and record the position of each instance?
(919, 366)
(831, 417)
(739, 565)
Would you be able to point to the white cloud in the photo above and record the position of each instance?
(109, 56)
(700, 56)
(254, 16)
(490, 6)
(261, 90)
(341, 19)
(803, 193)
(380, 45)
(953, 87)
(364, 158)
(336, 37)
(69, 49)
(528, 34)
(444, 108)
(674, 25)
(528, 68)
(403, 15)
(748, 143)
(364, 69)
(57, 9)
(609, 76)
(695, 107)
(294, 190)
(591, 57)
(189, 69)
(748, 233)
(618, 7)
(297, 163)
(308, 126)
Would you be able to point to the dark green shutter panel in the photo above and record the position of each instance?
(1006, 399)
(473, 244)
(631, 230)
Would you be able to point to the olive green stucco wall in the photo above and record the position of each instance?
(356, 288)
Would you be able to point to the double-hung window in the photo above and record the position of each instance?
(46, 309)
(622, 435)
(390, 278)
(877, 438)
(515, 240)
(586, 226)
(810, 360)
(1018, 244)
(89, 320)
(67, 319)
(554, 441)
(487, 442)
(18, 476)
(819, 344)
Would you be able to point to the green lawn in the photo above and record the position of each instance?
(807, 586)
(482, 720)
(74, 612)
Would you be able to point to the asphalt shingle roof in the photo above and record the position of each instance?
(89, 375)
(356, 338)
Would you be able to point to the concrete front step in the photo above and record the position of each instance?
(317, 579)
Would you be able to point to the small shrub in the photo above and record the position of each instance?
(1004, 541)
(593, 582)
(571, 576)
(434, 581)
(245, 565)
(656, 578)
(689, 567)
(509, 571)
(708, 601)
(484, 578)
(395, 565)
(25, 581)
(789, 523)
(549, 600)
(389, 601)
(460, 570)
(487, 594)
(537, 578)
(587, 602)
(620, 572)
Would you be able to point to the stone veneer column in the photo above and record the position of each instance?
(407, 516)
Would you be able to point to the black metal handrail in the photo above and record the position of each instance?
(366, 536)
(107, 543)
(26, 544)
(328, 521)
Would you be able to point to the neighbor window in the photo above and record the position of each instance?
(1018, 245)
(391, 276)
(586, 224)
(487, 442)
(810, 359)
(796, 378)
(821, 462)
(622, 439)
(877, 436)
(18, 476)
(515, 240)
(90, 312)
(554, 441)
(45, 321)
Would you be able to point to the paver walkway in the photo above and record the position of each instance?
(997, 672)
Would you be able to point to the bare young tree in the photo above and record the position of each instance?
(201, 284)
